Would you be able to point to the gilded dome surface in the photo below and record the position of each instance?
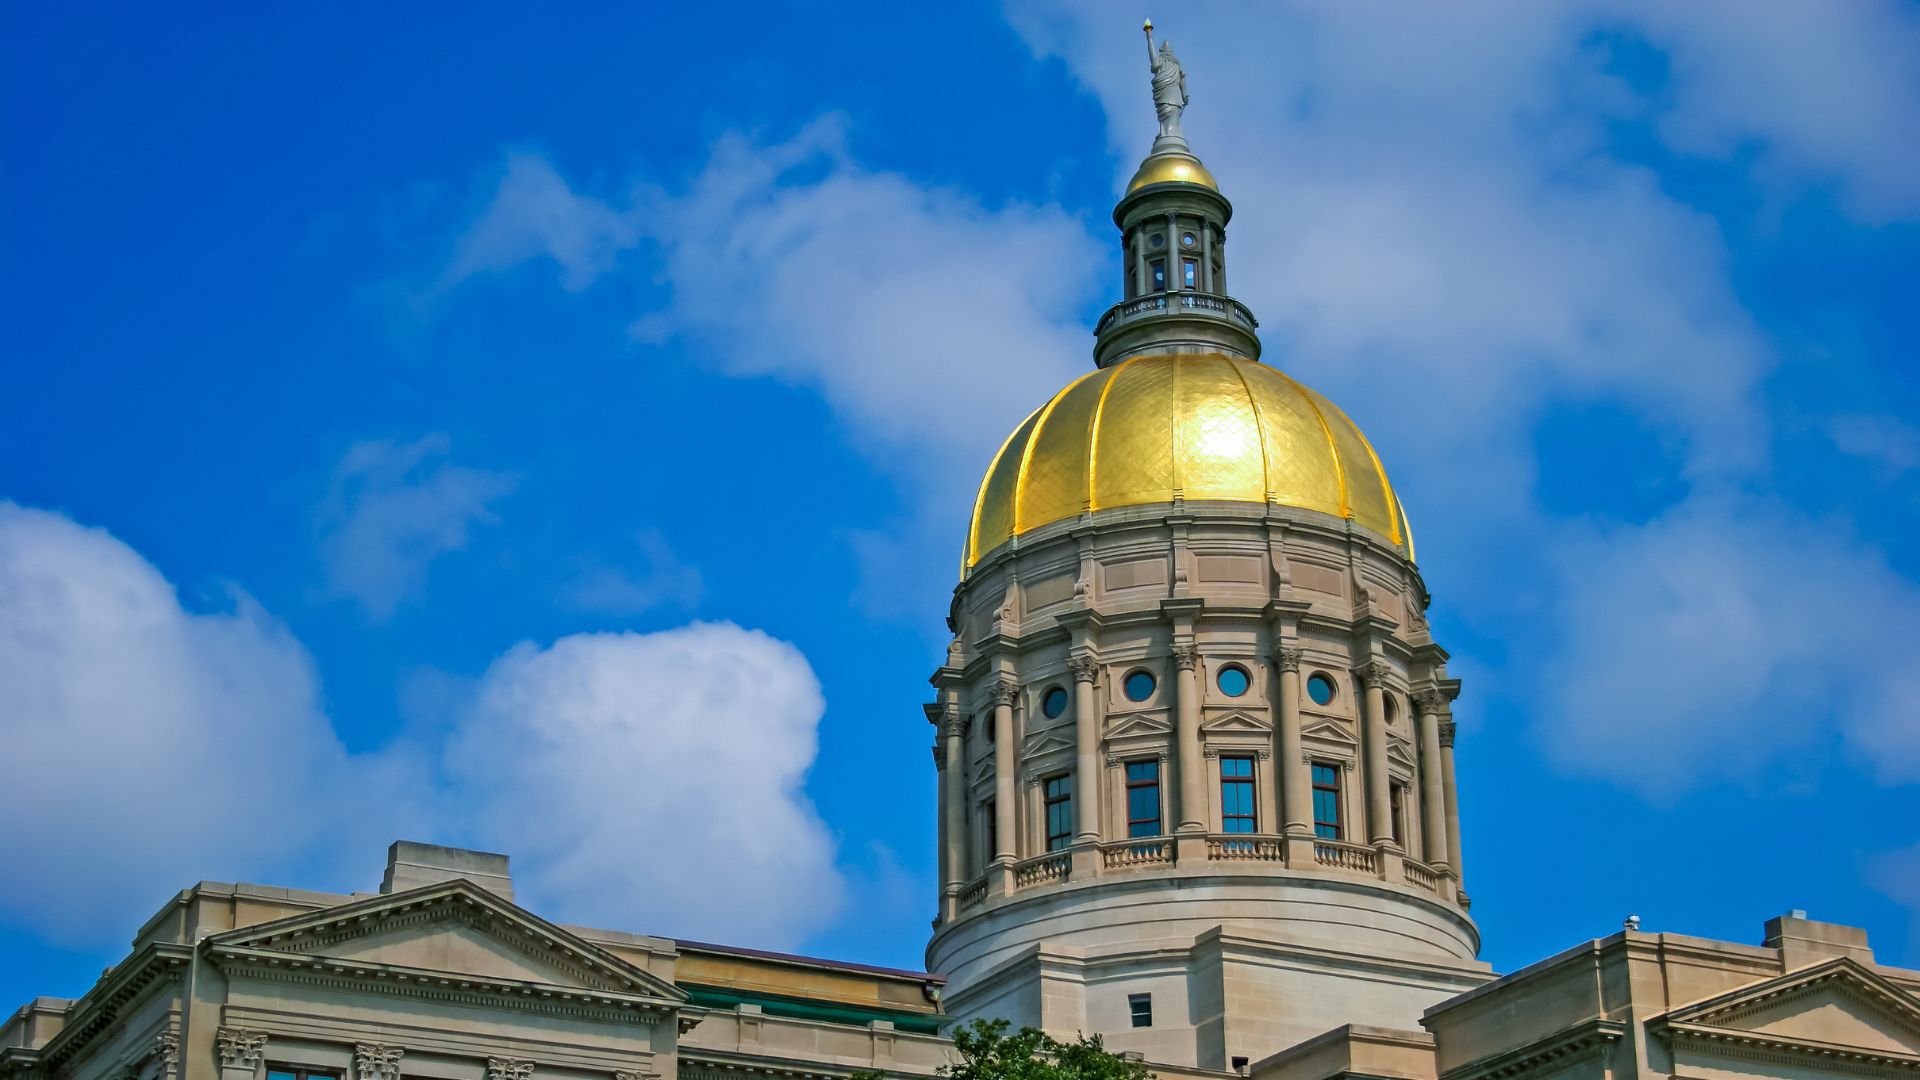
(1195, 427)
(1171, 168)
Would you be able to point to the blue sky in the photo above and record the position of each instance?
(552, 431)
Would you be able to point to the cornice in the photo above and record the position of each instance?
(101, 1006)
(1591, 1039)
(421, 983)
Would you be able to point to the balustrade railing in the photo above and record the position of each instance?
(1159, 303)
(1420, 875)
(1344, 856)
(1242, 847)
(1053, 866)
(973, 894)
(1137, 852)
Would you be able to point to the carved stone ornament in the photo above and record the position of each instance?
(1372, 673)
(1005, 692)
(1430, 702)
(1085, 668)
(1446, 734)
(509, 1069)
(952, 725)
(377, 1061)
(166, 1051)
(240, 1048)
(1185, 657)
(641, 1074)
(1288, 658)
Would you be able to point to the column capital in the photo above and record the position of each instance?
(951, 724)
(1373, 674)
(1085, 667)
(1430, 702)
(377, 1061)
(1288, 657)
(1446, 733)
(509, 1069)
(240, 1048)
(1186, 657)
(1005, 690)
(166, 1051)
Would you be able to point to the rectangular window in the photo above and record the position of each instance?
(1059, 791)
(1143, 798)
(1190, 273)
(991, 831)
(289, 1072)
(1236, 795)
(1326, 801)
(1397, 796)
(1158, 270)
(1140, 1009)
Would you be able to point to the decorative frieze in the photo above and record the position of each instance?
(377, 1061)
(240, 1048)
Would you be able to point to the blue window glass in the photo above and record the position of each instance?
(1143, 798)
(1189, 273)
(1236, 795)
(1054, 703)
(1158, 268)
(1232, 680)
(1320, 689)
(1059, 812)
(1139, 686)
(1326, 801)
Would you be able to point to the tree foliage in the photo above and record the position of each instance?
(987, 1052)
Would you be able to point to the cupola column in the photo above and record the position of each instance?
(1188, 758)
(953, 808)
(1373, 676)
(1086, 731)
(1004, 840)
(1453, 803)
(1433, 795)
(1296, 788)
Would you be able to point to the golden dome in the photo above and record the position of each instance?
(1167, 168)
(1197, 427)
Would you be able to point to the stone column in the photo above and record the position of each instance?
(1087, 723)
(1453, 806)
(1188, 762)
(1373, 675)
(377, 1061)
(953, 809)
(1005, 840)
(1290, 762)
(241, 1052)
(1433, 797)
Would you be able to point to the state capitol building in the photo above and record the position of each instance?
(1196, 795)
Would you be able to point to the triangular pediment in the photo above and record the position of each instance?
(451, 928)
(1235, 721)
(1397, 751)
(1840, 1004)
(1139, 724)
(1045, 742)
(1331, 731)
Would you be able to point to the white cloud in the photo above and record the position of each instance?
(534, 214)
(655, 780)
(1726, 638)
(394, 508)
(663, 579)
(1896, 874)
(146, 745)
(643, 782)
(1890, 443)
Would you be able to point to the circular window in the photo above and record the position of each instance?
(1139, 686)
(1320, 689)
(1233, 680)
(1186, 239)
(1054, 703)
(1158, 240)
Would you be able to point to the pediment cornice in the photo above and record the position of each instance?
(1729, 1022)
(440, 905)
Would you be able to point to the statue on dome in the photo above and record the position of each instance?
(1169, 85)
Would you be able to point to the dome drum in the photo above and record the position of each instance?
(1179, 321)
